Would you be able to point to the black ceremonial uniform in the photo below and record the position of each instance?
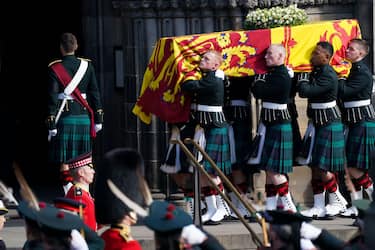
(74, 120)
(237, 113)
(321, 91)
(275, 95)
(208, 113)
(358, 114)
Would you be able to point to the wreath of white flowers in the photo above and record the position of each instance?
(275, 17)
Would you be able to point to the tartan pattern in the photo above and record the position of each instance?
(329, 148)
(73, 133)
(277, 154)
(217, 148)
(360, 145)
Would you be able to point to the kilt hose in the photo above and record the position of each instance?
(329, 148)
(72, 139)
(277, 154)
(360, 144)
(217, 148)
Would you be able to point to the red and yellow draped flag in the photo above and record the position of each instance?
(176, 59)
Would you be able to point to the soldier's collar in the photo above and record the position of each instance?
(82, 186)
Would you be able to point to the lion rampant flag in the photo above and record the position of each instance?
(176, 59)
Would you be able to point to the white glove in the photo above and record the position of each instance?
(52, 132)
(220, 74)
(307, 245)
(77, 242)
(193, 235)
(290, 72)
(309, 231)
(98, 127)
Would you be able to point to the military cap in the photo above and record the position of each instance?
(281, 217)
(3, 209)
(81, 160)
(68, 204)
(166, 217)
(54, 219)
(124, 167)
(27, 211)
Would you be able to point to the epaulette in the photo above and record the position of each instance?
(53, 62)
(124, 231)
(86, 59)
(77, 191)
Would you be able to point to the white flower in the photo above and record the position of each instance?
(275, 17)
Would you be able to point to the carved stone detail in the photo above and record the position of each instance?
(130, 5)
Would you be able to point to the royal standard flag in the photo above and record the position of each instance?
(176, 59)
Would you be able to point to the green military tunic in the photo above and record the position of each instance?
(73, 128)
(360, 119)
(322, 88)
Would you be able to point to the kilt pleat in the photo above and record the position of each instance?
(217, 148)
(277, 154)
(329, 148)
(360, 145)
(73, 138)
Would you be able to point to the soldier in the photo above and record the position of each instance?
(82, 171)
(173, 229)
(208, 114)
(295, 232)
(50, 228)
(3, 211)
(124, 167)
(59, 228)
(328, 153)
(75, 112)
(75, 207)
(276, 157)
(33, 233)
(238, 114)
(359, 117)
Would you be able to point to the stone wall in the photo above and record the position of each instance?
(133, 27)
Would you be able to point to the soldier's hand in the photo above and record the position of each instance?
(290, 72)
(98, 127)
(309, 231)
(193, 235)
(52, 132)
(77, 242)
(303, 77)
(220, 74)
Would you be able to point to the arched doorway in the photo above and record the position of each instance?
(29, 41)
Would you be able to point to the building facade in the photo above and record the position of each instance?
(118, 36)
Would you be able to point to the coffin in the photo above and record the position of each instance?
(175, 59)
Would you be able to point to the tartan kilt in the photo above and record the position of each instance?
(329, 148)
(72, 139)
(217, 148)
(242, 142)
(277, 154)
(360, 145)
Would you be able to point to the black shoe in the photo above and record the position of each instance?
(212, 223)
